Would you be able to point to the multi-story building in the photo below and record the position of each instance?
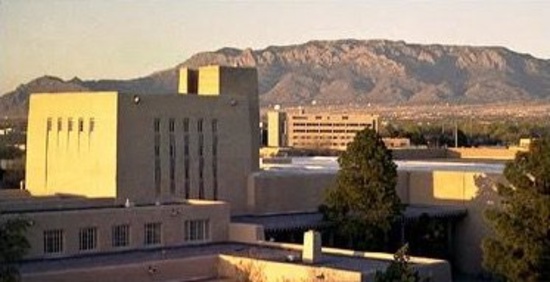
(316, 131)
(200, 144)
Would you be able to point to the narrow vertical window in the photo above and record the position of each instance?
(70, 124)
(186, 125)
(59, 124)
(80, 125)
(214, 125)
(157, 124)
(49, 124)
(172, 163)
(92, 125)
(157, 171)
(215, 158)
(186, 180)
(171, 125)
(199, 125)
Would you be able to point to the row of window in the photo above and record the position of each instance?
(172, 150)
(185, 125)
(308, 144)
(298, 124)
(332, 124)
(82, 124)
(344, 137)
(324, 131)
(316, 117)
(194, 231)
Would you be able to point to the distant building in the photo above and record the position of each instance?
(316, 131)
(393, 143)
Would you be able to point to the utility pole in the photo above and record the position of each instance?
(456, 134)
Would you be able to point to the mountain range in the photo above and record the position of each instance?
(342, 72)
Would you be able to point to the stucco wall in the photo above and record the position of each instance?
(172, 218)
(60, 160)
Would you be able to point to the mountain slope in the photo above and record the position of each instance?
(357, 72)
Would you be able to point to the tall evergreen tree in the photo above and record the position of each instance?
(519, 248)
(13, 246)
(364, 204)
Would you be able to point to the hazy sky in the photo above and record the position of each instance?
(124, 39)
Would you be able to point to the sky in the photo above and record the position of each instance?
(121, 39)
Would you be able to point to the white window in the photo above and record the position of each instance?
(197, 230)
(53, 241)
(88, 238)
(152, 233)
(121, 235)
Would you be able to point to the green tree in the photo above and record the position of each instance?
(13, 246)
(399, 269)
(363, 205)
(519, 248)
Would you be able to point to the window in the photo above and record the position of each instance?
(121, 235)
(201, 145)
(80, 125)
(53, 241)
(70, 126)
(88, 238)
(171, 125)
(197, 230)
(199, 125)
(157, 124)
(152, 233)
(59, 124)
(49, 124)
(92, 124)
(214, 125)
(186, 125)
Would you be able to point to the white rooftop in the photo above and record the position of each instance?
(330, 164)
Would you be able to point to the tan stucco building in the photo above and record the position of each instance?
(315, 130)
(200, 144)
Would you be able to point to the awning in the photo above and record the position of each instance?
(313, 220)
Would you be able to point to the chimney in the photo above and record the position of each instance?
(311, 253)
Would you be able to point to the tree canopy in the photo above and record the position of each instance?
(519, 248)
(13, 246)
(363, 205)
(399, 269)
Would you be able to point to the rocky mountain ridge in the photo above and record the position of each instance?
(348, 72)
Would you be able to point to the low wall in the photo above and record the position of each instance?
(419, 154)
(483, 153)
(186, 269)
(246, 233)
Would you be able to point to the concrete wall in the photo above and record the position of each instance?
(60, 160)
(287, 192)
(171, 217)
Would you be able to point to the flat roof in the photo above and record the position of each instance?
(256, 251)
(330, 164)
